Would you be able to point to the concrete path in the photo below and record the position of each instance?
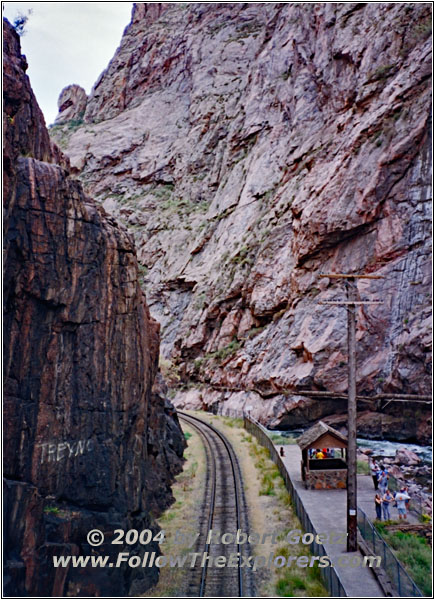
(327, 511)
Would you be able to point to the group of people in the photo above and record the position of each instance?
(386, 498)
(322, 453)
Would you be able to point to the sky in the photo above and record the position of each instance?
(68, 42)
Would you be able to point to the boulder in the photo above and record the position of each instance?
(406, 457)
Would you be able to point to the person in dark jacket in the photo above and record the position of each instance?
(378, 507)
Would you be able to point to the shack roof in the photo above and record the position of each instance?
(314, 433)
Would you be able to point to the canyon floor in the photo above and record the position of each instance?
(269, 511)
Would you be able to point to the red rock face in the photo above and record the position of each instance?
(252, 148)
(87, 443)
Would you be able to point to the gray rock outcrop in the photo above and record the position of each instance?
(71, 104)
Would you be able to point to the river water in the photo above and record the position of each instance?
(388, 449)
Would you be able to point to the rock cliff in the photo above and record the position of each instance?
(89, 442)
(71, 104)
(251, 148)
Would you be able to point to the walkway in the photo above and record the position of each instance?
(327, 511)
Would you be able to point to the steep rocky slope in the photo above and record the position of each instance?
(89, 443)
(251, 148)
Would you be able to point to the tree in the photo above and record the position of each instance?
(20, 22)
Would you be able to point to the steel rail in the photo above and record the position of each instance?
(212, 500)
(191, 420)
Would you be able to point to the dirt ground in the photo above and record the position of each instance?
(182, 516)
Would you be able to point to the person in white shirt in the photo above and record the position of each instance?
(401, 498)
(374, 468)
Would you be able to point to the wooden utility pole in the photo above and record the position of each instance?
(351, 304)
(351, 419)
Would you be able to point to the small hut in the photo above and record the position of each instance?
(324, 457)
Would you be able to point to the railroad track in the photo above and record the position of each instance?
(224, 511)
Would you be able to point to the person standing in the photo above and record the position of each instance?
(387, 499)
(406, 490)
(378, 507)
(401, 498)
(374, 468)
(383, 480)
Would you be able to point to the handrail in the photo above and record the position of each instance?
(329, 574)
(400, 579)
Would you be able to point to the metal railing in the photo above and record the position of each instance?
(416, 503)
(329, 574)
(400, 579)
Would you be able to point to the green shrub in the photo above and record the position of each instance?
(281, 440)
(424, 518)
(362, 467)
(382, 72)
(254, 331)
(53, 510)
(267, 485)
(224, 352)
(290, 585)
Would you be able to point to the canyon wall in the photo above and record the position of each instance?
(251, 148)
(88, 441)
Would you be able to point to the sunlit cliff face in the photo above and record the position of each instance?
(249, 149)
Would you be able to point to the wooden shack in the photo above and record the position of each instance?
(330, 471)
